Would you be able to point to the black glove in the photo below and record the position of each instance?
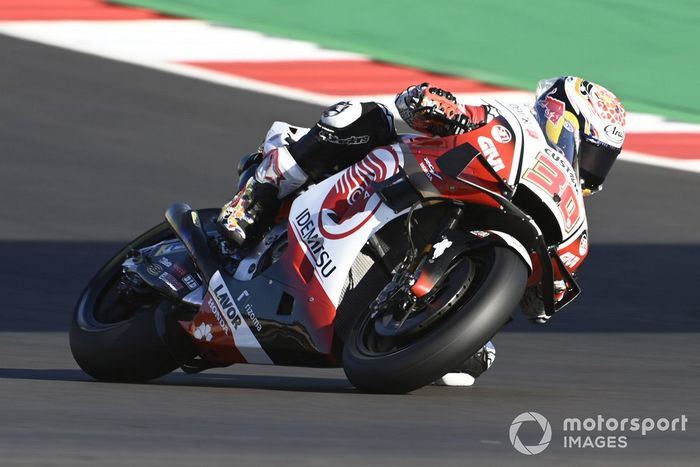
(432, 110)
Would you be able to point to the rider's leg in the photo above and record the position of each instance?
(345, 133)
(471, 369)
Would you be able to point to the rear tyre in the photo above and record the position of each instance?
(115, 340)
(377, 364)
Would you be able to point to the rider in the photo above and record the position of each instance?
(580, 119)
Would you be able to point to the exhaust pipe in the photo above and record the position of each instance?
(185, 223)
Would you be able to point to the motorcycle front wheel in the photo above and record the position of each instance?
(478, 308)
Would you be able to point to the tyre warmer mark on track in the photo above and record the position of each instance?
(313, 75)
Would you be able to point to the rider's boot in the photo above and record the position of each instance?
(246, 218)
(467, 372)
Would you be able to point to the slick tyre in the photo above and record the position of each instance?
(111, 348)
(377, 367)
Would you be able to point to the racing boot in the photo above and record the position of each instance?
(246, 218)
(467, 373)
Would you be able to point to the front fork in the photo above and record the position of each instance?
(417, 275)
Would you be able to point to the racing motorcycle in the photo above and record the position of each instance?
(398, 268)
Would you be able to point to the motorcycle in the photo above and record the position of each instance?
(398, 268)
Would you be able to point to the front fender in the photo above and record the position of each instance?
(453, 245)
(515, 245)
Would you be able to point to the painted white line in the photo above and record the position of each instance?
(649, 123)
(169, 41)
(176, 68)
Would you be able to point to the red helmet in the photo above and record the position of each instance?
(583, 120)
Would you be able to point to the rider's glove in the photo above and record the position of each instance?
(432, 110)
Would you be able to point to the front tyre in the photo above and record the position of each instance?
(375, 363)
(115, 340)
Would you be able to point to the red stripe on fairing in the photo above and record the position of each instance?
(364, 171)
(70, 10)
(370, 167)
(673, 145)
(321, 311)
(376, 168)
(344, 77)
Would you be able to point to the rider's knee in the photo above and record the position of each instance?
(346, 132)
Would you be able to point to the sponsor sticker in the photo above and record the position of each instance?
(203, 332)
(570, 260)
(155, 269)
(553, 109)
(583, 245)
(429, 170)
(245, 340)
(488, 149)
(314, 242)
(211, 304)
(170, 281)
(190, 282)
(501, 134)
(615, 133)
(440, 248)
(178, 269)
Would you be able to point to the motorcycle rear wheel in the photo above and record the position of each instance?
(373, 364)
(111, 342)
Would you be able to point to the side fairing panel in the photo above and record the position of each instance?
(332, 220)
(285, 315)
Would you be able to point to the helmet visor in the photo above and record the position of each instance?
(595, 161)
(558, 130)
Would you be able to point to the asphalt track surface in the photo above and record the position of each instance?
(92, 153)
